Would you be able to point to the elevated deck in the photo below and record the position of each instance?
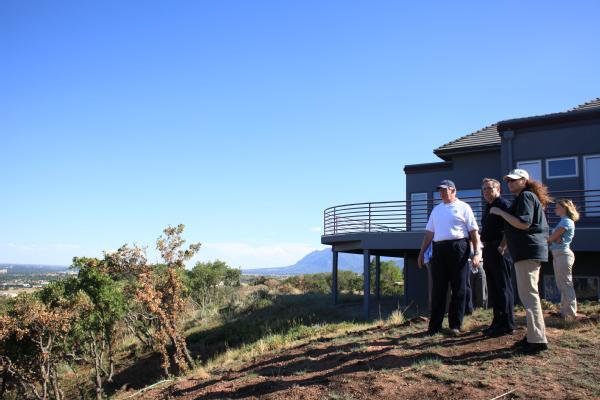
(396, 228)
(390, 228)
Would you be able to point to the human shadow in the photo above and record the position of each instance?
(322, 370)
(435, 341)
(282, 315)
(322, 364)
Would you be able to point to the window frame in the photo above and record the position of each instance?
(478, 211)
(538, 162)
(586, 184)
(424, 210)
(548, 160)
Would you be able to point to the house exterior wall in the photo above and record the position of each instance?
(521, 140)
(416, 286)
(543, 142)
(533, 143)
(466, 171)
(552, 141)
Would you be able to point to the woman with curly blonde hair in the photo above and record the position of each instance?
(562, 256)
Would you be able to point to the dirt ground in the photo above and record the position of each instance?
(399, 362)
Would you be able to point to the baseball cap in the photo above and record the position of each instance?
(446, 184)
(517, 174)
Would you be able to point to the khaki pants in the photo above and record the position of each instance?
(528, 275)
(563, 261)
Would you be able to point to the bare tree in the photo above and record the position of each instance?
(161, 296)
(32, 338)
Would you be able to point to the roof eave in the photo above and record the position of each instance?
(427, 166)
(583, 115)
(448, 154)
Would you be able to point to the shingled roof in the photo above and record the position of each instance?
(489, 138)
(589, 110)
(590, 105)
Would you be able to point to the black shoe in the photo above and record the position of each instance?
(489, 330)
(431, 332)
(455, 332)
(532, 348)
(521, 343)
(497, 331)
(502, 332)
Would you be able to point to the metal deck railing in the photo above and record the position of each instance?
(407, 216)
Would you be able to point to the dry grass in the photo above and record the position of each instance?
(396, 318)
(394, 353)
(276, 343)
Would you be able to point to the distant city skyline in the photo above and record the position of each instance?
(245, 120)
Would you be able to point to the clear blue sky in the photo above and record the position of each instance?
(245, 119)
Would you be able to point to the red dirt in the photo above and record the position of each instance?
(388, 363)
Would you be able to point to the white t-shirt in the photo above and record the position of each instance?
(451, 221)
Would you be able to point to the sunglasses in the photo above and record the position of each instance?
(512, 180)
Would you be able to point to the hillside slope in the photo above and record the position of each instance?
(393, 360)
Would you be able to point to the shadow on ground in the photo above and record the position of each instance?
(320, 365)
(285, 314)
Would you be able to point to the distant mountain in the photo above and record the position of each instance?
(320, 261)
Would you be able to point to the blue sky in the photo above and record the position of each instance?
(244, 120)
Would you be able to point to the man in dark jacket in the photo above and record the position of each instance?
(498, 270)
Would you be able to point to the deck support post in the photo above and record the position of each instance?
(367, 282)
(334, 277)
(378, 277)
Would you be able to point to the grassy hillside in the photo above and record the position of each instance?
(301, 347)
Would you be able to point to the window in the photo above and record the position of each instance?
(561, 167)
(533, 167)
(591, 174)
(418, 211)
(473, 198)
(436, 198)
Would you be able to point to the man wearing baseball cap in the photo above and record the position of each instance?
(451, 226)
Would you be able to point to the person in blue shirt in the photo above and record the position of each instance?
(562, 256)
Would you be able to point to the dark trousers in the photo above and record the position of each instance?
(498, 272)
(469, 302)
(478, 283)
(449, 264)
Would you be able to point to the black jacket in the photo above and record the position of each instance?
(531, 243)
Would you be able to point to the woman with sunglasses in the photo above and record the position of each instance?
(526, 234)
(562, 256)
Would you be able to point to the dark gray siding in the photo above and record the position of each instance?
(415, 284)
(466, 171)
(546, 142)
(587, 264)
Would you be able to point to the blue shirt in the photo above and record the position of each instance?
(567, 235)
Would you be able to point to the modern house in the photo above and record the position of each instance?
(562, 150)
